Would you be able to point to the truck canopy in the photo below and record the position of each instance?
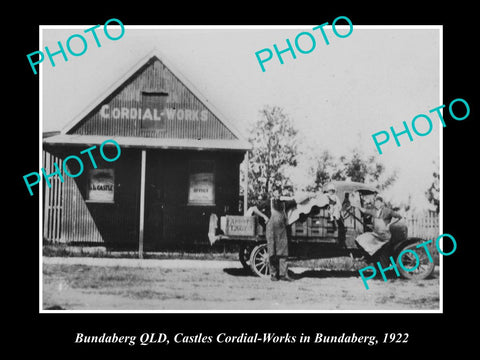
(307, 201)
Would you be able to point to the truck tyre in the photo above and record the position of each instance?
(414, 268)
(259, 261)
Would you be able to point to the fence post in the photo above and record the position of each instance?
(423, 225)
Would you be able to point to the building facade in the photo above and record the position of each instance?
(180, 161)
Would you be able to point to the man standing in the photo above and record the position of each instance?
(335, 206)
(276, 234)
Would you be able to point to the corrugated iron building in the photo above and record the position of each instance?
(180, 161)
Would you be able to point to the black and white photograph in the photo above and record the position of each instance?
(195, 174)
(225, 180)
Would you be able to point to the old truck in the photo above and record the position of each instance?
(312, 235)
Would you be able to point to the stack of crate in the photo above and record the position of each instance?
(300, 228)
(320, 226)
(314, 226)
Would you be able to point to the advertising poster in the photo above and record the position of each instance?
(201, 190)
(101, 187)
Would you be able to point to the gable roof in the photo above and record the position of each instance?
(152, 56)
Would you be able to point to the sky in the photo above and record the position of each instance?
(337, 96)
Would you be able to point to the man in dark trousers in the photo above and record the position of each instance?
(276, 234)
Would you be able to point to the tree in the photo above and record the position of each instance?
(366, 169)
(433, 192)
(354, 167)
(274, 149)
(321, 171)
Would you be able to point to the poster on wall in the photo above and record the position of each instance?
(101, 185)
(201, 189)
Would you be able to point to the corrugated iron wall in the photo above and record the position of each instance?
(155, 77)
(66, 218)
(78, 225)
(69, 218)
(184, 224)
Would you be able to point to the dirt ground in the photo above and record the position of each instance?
(131, 284)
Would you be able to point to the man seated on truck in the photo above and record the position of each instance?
(276, 232)
(383, 219)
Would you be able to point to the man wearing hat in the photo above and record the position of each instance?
(276, 232)
(383, 219)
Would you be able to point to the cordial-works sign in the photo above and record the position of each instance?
(107, 112)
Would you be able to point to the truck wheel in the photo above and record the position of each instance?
(259, 261)
(422, 271)
(244, 255)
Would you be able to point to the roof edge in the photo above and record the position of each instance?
(153, 54)
(149, 143)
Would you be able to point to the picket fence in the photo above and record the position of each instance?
(423, 225)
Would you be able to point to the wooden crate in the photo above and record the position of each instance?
(300, 229)
(316, 226)
(240, 225)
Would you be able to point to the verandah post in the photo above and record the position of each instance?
(142, 204)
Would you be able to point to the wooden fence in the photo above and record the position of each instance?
(53, 200)
(423, 225)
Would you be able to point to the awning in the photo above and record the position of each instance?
(149, 143)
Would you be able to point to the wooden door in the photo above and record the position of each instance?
(154, 201)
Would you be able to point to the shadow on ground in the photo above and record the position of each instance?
(304, 274)
(325, 274)
(239, 272)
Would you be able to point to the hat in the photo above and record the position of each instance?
(330, 187)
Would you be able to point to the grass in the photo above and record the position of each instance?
(337, 263)
(99, 287)
(62, 250)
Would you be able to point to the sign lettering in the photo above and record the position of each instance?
(152, 114)
(240, 225)
(101, 185)
(202, 189)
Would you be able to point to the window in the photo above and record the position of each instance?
(201, 190)
(101, 185)
(153, 105)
